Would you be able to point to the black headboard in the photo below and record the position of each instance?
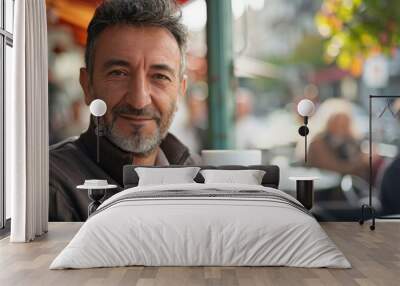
(270, 179)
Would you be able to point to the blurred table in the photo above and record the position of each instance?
(326, 179)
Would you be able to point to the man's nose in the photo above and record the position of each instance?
(139, 93)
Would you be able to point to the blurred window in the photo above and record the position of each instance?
(6, 44)
(9, 15)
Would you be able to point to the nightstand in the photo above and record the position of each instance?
(96, 194)
(305, 190)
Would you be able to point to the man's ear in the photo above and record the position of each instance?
(84, 80)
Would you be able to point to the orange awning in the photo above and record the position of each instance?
(76, 14)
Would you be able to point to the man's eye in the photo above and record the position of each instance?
(117, 73)
(161, 77)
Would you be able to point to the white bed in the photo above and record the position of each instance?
(222, 225)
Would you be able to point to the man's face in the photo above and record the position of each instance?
(339, 125)
(136, 71)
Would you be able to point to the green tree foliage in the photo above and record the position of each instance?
(357, 29)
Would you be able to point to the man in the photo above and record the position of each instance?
(135, 63)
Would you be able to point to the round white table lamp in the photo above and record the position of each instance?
(98, 108)
(306, 109)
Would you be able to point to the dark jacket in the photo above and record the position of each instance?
(344, 159)
(74, 160)
(390, 191)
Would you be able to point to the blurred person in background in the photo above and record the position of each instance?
(78, 118)
(69, 116)
(190, 123)
(337, 146)
(56, 110)
(248, 128)
(389, 189)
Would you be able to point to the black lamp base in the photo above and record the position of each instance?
(371, 211)
(95, 196)
(305, 193)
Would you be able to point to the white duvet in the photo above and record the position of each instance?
(183, 231)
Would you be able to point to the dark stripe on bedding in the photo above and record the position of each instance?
(205, 194)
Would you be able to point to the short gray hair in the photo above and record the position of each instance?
(155, 13)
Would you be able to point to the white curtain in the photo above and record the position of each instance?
(27, 124)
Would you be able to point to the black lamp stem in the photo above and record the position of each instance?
(305, 139)
(305, 148)
(370, 151)
(98, 139)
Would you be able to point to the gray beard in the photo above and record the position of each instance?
(135, 143)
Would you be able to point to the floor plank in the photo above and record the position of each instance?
(374, 255)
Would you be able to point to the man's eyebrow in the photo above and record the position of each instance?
(164, 67)
(115, 62)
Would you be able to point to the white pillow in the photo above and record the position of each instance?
(248, 177)
(162, 176)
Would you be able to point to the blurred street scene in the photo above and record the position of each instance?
(334, 52)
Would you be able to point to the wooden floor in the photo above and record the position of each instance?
(374, 255)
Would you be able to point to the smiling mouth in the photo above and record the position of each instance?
(136, 119)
